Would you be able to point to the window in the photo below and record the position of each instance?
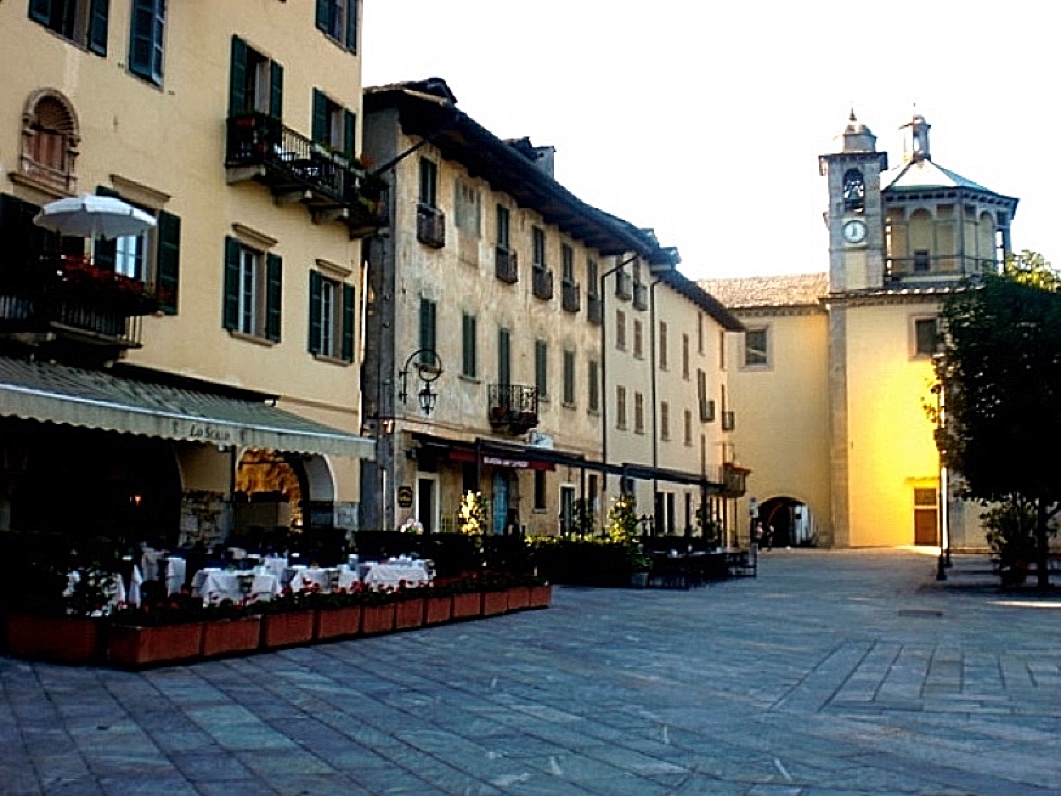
(256, 84)
(253, 291)
(146, 34)
(620, 406)
(338, 20)
(331, 317)
(639, 341)
(593, 277)
(469, 350)
(541, 367)
(538, 241)
(854, 190)
(503, 227)
(567, 263)
(620, 330)
(504, 357)
(664, 420)
(755, 347)
(700, 333)
(685, 357)
(333, 126)
(593, 373)
(49, 141)
(926, 337)
(921, 261)
(662, 345)
(569, 378)
(539, 490)
(687, 430)
(428, 182)
(639, 413)
(428, 328)
(84, 22)
(467, 207)
(153, 257)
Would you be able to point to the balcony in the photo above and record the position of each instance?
(506, 265)
(595, 309)
(570, 296)
(513, 408)
(430, 226)
(296, 169)
(640, 296)
(734, 480)
(542, 283)
(67, 299)
(624, 286)
(923, 266)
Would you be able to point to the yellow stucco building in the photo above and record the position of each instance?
(199, 377)
(833, 375)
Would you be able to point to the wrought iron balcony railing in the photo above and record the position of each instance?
(542, 283)
(950, 266)
(506, 265)
(513, 407)
(430, 226)
(570, 296)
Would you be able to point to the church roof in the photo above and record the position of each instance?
(788, 290)
(920, 174)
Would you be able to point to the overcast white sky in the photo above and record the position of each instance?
(704, 120)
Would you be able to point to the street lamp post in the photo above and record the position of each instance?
(428, 368)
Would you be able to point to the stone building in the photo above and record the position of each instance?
(834, 371)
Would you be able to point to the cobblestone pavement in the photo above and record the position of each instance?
(831, 673)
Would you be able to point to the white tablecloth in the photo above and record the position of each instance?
(308, 577)
(391, 576)
(216, 585)
(176, 574)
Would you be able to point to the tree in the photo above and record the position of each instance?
(1000, 369)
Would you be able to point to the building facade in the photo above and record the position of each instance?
(491, 297)
(200, 378)
(835, 370)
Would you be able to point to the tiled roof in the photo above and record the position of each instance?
(918, 174)
(789, 290)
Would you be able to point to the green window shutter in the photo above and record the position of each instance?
(469, 366)
(569, 377)
(276, 90)
(351, 25)
(230, 316)
(105, 252)
(273, 296)
(594, 386)
(97, 26)
(167, 274)
(428, 318)
(145, 39)
(348, 323)
(237, 77)
(541, 355)
(350, 133)
(315, 330)
(319, 123)
(504, 357)
(322, 14)
(19, 234)
(40, 11)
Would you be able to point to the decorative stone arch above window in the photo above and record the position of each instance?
(50, 137)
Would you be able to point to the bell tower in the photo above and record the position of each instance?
(855, 216)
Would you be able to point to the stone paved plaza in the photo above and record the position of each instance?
(831, 673)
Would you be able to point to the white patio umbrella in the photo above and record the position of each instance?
(91, 216)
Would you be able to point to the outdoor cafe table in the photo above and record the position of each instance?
(308, 577)
(390, 575)
(215, 585)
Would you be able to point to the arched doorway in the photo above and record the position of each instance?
(790, 520)
(268, 498)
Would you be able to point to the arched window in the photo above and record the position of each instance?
(49, 141)
(854, 190)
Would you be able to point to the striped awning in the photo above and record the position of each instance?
(98, 399)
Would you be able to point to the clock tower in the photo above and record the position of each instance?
(855, 216)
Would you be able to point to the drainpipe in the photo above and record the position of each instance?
(604, 366)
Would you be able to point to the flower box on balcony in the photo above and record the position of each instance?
(64, 639)
(133, 647)
(335, 623)
(288, 629)
(231, 636)
(540, 596)
(467, 605)
(377, 619)
(438, 609)
(409, 613)
(518, 598)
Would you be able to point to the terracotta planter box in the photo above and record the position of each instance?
(65, 639)
(467, 606)
(409, 614)
(495, 602)
(438, 610)
(338, 622)
(540, 597)
(147, 646)
(377, 619)
(518, 598)
(287, 630)
(231, 636)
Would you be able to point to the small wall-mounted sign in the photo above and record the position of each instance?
(405, 497)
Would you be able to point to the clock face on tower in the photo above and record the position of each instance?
(854, 230)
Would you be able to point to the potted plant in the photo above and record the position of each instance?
(494, 590)
(338, 616)
(438, 604)
(229, 629)
(623, 530)
(540, 593)
(167, 632)
(467, 603)
(377, 611)
(408, 607)
(287, 620)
